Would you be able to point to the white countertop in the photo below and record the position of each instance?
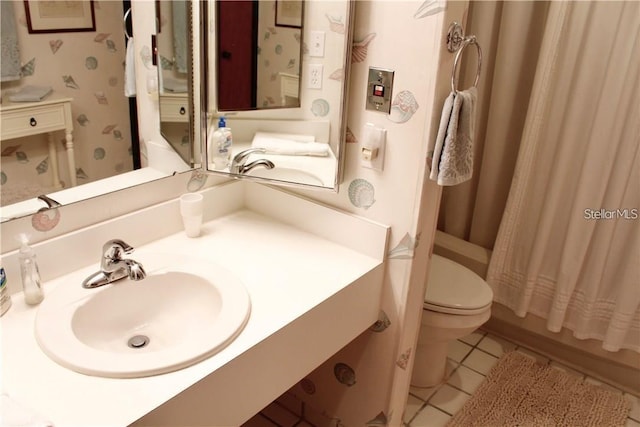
(296, 280)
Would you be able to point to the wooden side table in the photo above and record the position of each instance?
(20, 119)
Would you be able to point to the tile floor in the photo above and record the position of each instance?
(470, 359)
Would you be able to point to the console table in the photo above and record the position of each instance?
(19, 119)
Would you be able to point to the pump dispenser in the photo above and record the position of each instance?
(30, 274)
(220, 148)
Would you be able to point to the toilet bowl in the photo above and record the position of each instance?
(457, 301)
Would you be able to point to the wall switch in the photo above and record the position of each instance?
(314, 80)
(379, 88)
(372, 149)
(316, 44)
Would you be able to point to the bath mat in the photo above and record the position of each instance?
(518, 391)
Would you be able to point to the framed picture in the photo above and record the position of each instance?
(289, 13)
(47, 16)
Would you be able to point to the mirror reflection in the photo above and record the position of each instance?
(259, 45)
(300, 141)
(173, 75)
(65, 118)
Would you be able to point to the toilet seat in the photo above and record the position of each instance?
(454, 289)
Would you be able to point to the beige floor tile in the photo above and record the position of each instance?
(259, 421)
(629, 423)
(458, 350)
(635, 406)
(280, 415)
(449, 399)
(566, 369)
(465, 379)
(413, 406)
(495, 345)
(480, 361)
(423, 393)
(609, 387)
(430, 417)
(537, 356)
(473, 338)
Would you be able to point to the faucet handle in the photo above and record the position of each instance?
(112, 249)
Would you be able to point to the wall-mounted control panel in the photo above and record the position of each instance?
(379, 89)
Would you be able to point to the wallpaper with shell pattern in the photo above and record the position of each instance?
(366, 383)
(85, 66)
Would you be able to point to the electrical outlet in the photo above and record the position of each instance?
(315, 76)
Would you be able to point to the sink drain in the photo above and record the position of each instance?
(138, 341)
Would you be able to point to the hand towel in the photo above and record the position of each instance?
(130, 70)
(31, 93)
(283, 145)
(14, 414)
(10, 55)
(452, 158)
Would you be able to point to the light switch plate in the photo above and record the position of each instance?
(316, 44)
(372, 147)
(379, 88)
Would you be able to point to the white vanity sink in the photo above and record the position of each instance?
(184, 311)
(286, 174)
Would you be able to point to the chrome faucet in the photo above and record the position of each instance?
(239, 167)
(113, 267)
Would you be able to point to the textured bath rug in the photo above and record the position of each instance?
(518, 391)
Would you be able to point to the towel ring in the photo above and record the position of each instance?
(124, 23)
(467, 41)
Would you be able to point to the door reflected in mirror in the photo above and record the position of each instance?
(259, 51)
(172, 40)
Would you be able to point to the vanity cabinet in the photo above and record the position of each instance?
(20, 119)
(174, 107)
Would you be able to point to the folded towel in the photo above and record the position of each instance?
(451, 155)
(31, 94)
(130, 70)
(283, 145)
(175, 86)
(14, 414)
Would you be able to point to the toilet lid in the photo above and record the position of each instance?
(452, 286)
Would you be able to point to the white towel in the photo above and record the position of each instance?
(287, 145)
(451, 156)
(130, 70)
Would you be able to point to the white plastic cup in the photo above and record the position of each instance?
(191, 211)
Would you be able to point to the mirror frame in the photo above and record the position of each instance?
(208, 119)
(93, 201)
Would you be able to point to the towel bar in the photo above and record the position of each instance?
(456, 41)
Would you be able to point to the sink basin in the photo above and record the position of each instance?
(173, 318)
(286, 174)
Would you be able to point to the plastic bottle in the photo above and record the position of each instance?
(220, 148)
(30, 274)
(5, 298)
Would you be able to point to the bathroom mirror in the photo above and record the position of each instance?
(95, 58)
(300, 136)
(172, 42)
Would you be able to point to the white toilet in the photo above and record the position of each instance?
(457, 301)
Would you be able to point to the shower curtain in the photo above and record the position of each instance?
(568, 246)
(510, 34)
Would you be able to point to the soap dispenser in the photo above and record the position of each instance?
(220, 148)
(30, 274)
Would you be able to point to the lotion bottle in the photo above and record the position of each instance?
(220, 148)
(30, 274)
